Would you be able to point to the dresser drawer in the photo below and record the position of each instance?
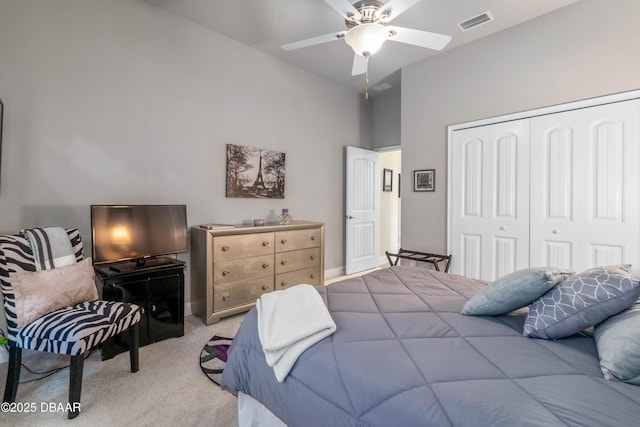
(240, 293)
(297, 239)
(241, 246)
(310, 276)
(296, 260)
(242, 269)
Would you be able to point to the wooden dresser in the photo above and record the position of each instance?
(232, 267)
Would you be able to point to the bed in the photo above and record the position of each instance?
(403, 355)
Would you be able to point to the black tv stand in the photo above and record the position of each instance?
(157, 287)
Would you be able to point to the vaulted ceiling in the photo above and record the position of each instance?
(267, 24)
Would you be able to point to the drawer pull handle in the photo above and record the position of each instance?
(142, 310)
(313, 275)
(226, 273)
(283, 262)
(284, 241)
(314, 237)
(265, 265)
(313, 257)
(265, 287)
(226, 249)
(283, 283)
(265, 244)
(226, 298)
(153, 308)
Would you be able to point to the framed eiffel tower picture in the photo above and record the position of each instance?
(254, 172)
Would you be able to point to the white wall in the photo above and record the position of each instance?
(584, 50)
(120, 102)
(389, 205)
(386, 119)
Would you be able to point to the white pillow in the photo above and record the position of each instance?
(42, 292)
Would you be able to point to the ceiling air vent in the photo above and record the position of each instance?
(382, 86)
(475, 21)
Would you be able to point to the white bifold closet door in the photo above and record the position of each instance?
(559, 189)
(585, 187)
(489, 228)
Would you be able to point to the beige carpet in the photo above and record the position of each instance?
(168, 390)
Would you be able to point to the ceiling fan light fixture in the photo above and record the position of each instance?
(367, 39)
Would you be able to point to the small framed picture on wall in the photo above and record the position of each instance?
(424, 180)
(387, 180)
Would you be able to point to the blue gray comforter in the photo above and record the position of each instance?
(402, 355)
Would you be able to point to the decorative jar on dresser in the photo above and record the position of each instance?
(231, 267)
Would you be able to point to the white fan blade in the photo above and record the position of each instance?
(359, 64)
(344, 8)
(314, 40)
(393, 8)
(426, 39)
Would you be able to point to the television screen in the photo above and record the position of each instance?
(136, 232)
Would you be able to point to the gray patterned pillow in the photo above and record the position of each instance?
(514, 290)
(581, 301)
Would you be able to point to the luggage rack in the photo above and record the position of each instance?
(433, 259)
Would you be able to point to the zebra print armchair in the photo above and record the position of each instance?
(72, 331)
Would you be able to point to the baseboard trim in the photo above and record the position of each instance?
(334, 272)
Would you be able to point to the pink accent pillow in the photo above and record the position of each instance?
(42, 292)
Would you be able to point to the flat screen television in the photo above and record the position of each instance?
(137, 232)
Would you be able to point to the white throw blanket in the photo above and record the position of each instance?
(289, 322)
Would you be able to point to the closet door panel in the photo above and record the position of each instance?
(468, 201)
(557, 254)
(489, 203)
(504, 257)
(558, 163)
(584, 187)
(609, 171)
(472, 174)
(471, 255)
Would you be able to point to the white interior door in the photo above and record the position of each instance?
(585, 189)
(362, 219)
(489, 230)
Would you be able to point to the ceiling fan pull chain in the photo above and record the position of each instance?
(366, 78)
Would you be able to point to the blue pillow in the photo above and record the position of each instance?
(618, 342)
(583, 300)
(514, 290)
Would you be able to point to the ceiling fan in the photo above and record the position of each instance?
(367, 29)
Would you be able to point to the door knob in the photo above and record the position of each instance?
(503, 228)
(351, 217)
